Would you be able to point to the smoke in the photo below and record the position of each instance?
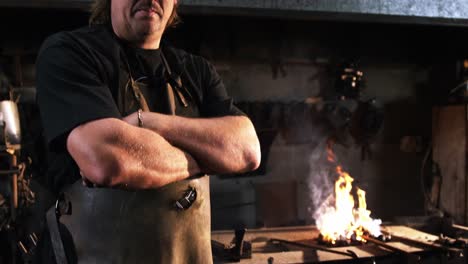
(320, 180)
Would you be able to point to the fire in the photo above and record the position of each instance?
(338, 219)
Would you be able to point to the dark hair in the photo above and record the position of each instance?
(100, 14)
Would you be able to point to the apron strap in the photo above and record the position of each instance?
(62, 206)
(57, 243)
(170, 98)
(137, 94)
(139, 97)
(174, 86)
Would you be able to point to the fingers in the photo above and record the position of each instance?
(86, 182)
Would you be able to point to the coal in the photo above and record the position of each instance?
(385, 238)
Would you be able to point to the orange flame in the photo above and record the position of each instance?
(343, 221)
(330, 154)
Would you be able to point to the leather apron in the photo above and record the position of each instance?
(121, 226)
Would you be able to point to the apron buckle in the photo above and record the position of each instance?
(63, 206)
(187, 200)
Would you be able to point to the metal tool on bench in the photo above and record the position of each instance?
(451, 252)
(348, 253)
(411, 258)
(239, 248)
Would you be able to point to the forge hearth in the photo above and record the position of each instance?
(301, 245)
(353, 241)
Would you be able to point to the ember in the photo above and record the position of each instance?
(338, 219)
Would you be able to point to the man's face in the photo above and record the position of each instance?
(141, 21)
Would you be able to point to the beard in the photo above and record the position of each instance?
(145, 29)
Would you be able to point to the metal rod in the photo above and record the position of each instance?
(14, 182)
(456, 252)
(410, 255)
(9, 172)
(350, 253)
(23, 248)
(464, 228)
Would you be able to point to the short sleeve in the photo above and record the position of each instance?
(70, 90)
(216, 101)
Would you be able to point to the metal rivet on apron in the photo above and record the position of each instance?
(187, 199)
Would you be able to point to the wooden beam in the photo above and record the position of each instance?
(389, 11)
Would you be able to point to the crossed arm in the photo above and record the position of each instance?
(168, 149)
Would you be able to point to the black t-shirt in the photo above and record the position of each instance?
(80, 74)
(148, 62)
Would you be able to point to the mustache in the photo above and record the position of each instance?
(148, 5)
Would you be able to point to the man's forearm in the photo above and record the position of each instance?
(112, 153)
(226, 144)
